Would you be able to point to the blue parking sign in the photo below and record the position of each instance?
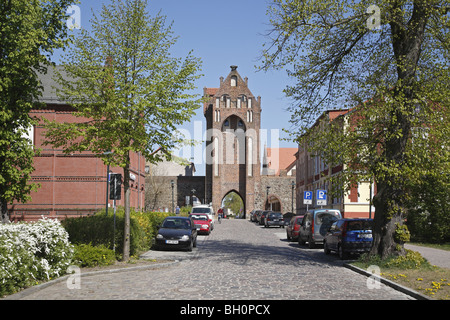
(321, 197)
(307, 197)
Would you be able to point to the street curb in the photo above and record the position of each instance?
(389, 283)
(33, 289)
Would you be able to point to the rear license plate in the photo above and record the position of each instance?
(172, 241)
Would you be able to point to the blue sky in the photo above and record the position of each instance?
(222, 33)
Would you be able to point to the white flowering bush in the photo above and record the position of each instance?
(30, 252)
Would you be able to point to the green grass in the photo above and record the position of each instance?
(412, 271)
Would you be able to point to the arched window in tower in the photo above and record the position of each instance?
(243, 99)
(249, 103)
(250, 156)
(216, 156)
(240, 124)
(249, 116)
(233, 81)
(217, 115)
(225, 101)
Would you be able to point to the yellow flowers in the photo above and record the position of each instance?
(435, 286)
(394, 276)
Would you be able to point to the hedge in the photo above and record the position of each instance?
(99, 229)
(32, 252)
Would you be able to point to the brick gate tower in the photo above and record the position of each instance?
(233, 119)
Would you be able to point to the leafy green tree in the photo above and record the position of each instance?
(233, 202)
(29, 32)
(130, 91)
(428, 218)
(388, 62)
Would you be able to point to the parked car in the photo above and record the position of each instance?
(258, 215)
(274, 219)
(262, 217)
(293, 228)
(315, 225)
(347, 236)
(204, 208)
(287, 217)
(254, 215)
(202, 223)
(177, 232)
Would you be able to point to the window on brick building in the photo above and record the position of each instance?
(233, 81)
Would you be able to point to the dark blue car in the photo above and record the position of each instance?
(348, 236)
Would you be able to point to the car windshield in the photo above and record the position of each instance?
(174, 223)
(275, 215)
(199, 217)
(201, 210)
(359, 225)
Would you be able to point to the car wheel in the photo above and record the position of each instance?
(195, 243)
(191, 244)
(342, 254)
(325, 248)
(288, 237)
(311, 243)
(300, 240)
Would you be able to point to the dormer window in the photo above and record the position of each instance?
(233, 81)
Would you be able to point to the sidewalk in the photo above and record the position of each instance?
(438, 257)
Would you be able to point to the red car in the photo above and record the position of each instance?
(202, 223)
(293, 228)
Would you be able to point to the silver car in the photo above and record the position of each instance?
(274, 219)
(315, 225)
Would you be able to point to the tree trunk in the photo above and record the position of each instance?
(126, 231)
(387, 217)
(4, 211)
(389, 201)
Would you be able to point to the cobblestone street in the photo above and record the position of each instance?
(239, 260)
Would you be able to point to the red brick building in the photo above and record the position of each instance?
(233, 164)
(233, 117)
(75, 184)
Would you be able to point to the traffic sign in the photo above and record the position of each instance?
(307, 197)
(321, 197)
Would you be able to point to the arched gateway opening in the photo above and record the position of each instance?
(273, 203)
(233, 205)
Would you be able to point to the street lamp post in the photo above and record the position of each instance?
(173, 184)
(107, 181)
(292, 196)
